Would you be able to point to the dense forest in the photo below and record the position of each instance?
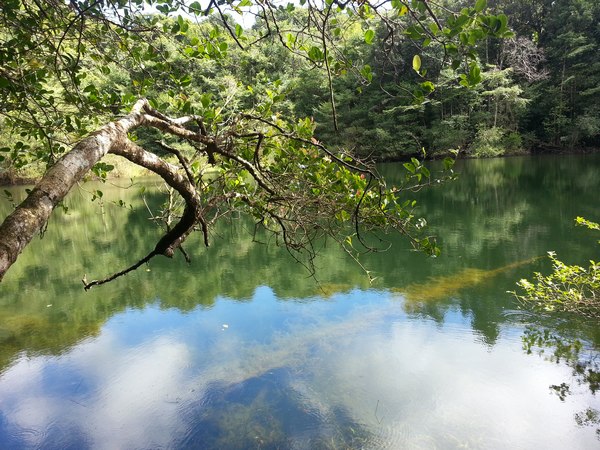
(538, 90)
(387, 92)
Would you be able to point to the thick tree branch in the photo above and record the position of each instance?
(192, 214)
(19, 228)
(31, 216)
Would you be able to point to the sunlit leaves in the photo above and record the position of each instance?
(400, 8)
(480, 5)
(290, 40)
(416, 63)
(417, 170)
(101, 171)
(205, 99)
(367, 73)
(195, 67)
(570, 288)
(580, 221)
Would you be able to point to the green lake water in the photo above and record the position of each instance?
(242, 349)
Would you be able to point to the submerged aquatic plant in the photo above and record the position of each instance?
(436, 288)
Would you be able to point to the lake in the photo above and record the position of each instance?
(241, 349)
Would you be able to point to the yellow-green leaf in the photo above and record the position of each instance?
(416, 63)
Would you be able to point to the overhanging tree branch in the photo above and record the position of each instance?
(299, 189)
(32, 215)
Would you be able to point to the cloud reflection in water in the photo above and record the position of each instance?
(354, 370)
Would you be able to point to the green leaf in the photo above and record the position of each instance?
(428, 87)
(503, 20)
(291, 40)
(195, 8)
(185, 80)
(369, 36)
(480, 5)
(448, 163)
(316, 54)
(366, 72)
(205, 100)
(416, 63)
(415, 32)
(474, 74)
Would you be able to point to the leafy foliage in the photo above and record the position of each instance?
(384, 83)
(569, 288)
(374, 82)
(191, 88)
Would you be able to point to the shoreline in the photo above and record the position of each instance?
(123, 169)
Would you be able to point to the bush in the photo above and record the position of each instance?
(488, 143)
(512, 142)
(568, 288)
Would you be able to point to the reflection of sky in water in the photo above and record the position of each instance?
(353, 370)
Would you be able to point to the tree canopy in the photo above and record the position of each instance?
(180, 89)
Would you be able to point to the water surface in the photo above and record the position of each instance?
(243, 350)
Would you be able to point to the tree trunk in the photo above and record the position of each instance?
(19, 228)
(32, 214)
